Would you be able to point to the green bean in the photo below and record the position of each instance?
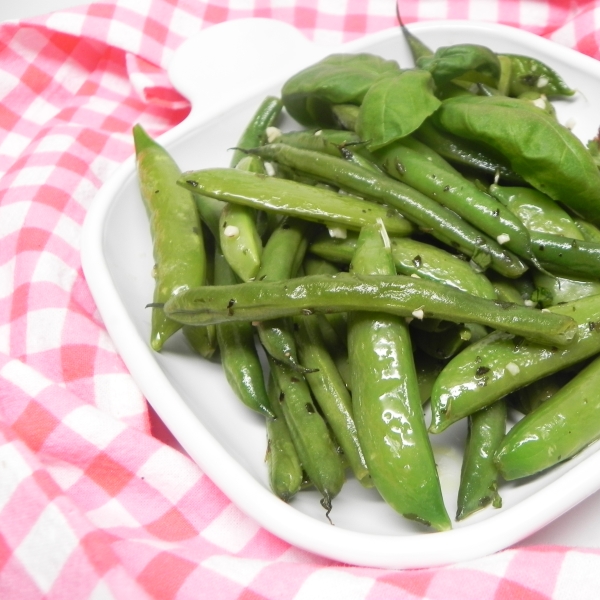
(501, 363)
(569, 420)
(292, 198)
(567, 256)
(387, 410)
(415, 259)
(178, 247)
(589, 232)
(331, 393)
(442, 184)
(479, 475)
(424, 212)
(395, 294)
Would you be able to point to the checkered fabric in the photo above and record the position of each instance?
(96, 499)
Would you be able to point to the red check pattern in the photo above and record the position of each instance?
(96, 500)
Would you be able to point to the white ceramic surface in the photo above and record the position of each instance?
(191, 395)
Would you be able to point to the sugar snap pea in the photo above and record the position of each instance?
(179, 256)
(285, 469)
(309, 432)
(331, 393)
(479, 474)
(387, 410)
(424, 212)
(556, 430)
(240, 361)
(396, 294)
(501, 363)
(413, 258)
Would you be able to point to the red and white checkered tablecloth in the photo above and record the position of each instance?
(96, 499)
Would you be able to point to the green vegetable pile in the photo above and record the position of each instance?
(427, 234)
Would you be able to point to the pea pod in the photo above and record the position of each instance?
(331, 393)
(556, 430)
(413, 258)
(424, 212)
(238, 234)
(542, 151)
(479, 475)
(395, 294)
(387, 410)
(283, 255)
(285, 469)
(179, 256)
(537, 211)
(292, 198)
(501, 363)
(309, 432)
(240, 361)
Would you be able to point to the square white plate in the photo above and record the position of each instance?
(191, 396)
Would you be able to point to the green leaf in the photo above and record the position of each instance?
(337, 79)
(544, 152)
(468, 62)
(396, 106)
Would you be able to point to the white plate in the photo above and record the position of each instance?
(225, 85)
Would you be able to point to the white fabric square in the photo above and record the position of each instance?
(5, 338)
(435, 9)
(64, 474)
(56, 142)
(40, 111)
(182, 25)
(101, 592)
(581, 568)
(170, 472)
(13, 143)
(334, 7)
(112, 514)
(24, 377)
(533, 13)
(124, 37)
(118, 395)
(8, 82)
(240, 570)
(33, 176)
(12, 217)
(69, 231)
(44, 329)
(483, 11)
(13, 470)
(7, 277)
(94, 426)
(66, 22)
(231, 530)
(141, 7)
(47, 547)
(52, 269)
(84, 193)
(319, 584)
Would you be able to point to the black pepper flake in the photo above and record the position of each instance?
(400, 167)
(417, 261)
(310, 408)
(230, 305)
(481, 371)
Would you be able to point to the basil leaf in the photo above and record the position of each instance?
(396, 106)
(468, 62)
(544, 152)
(337, 79)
